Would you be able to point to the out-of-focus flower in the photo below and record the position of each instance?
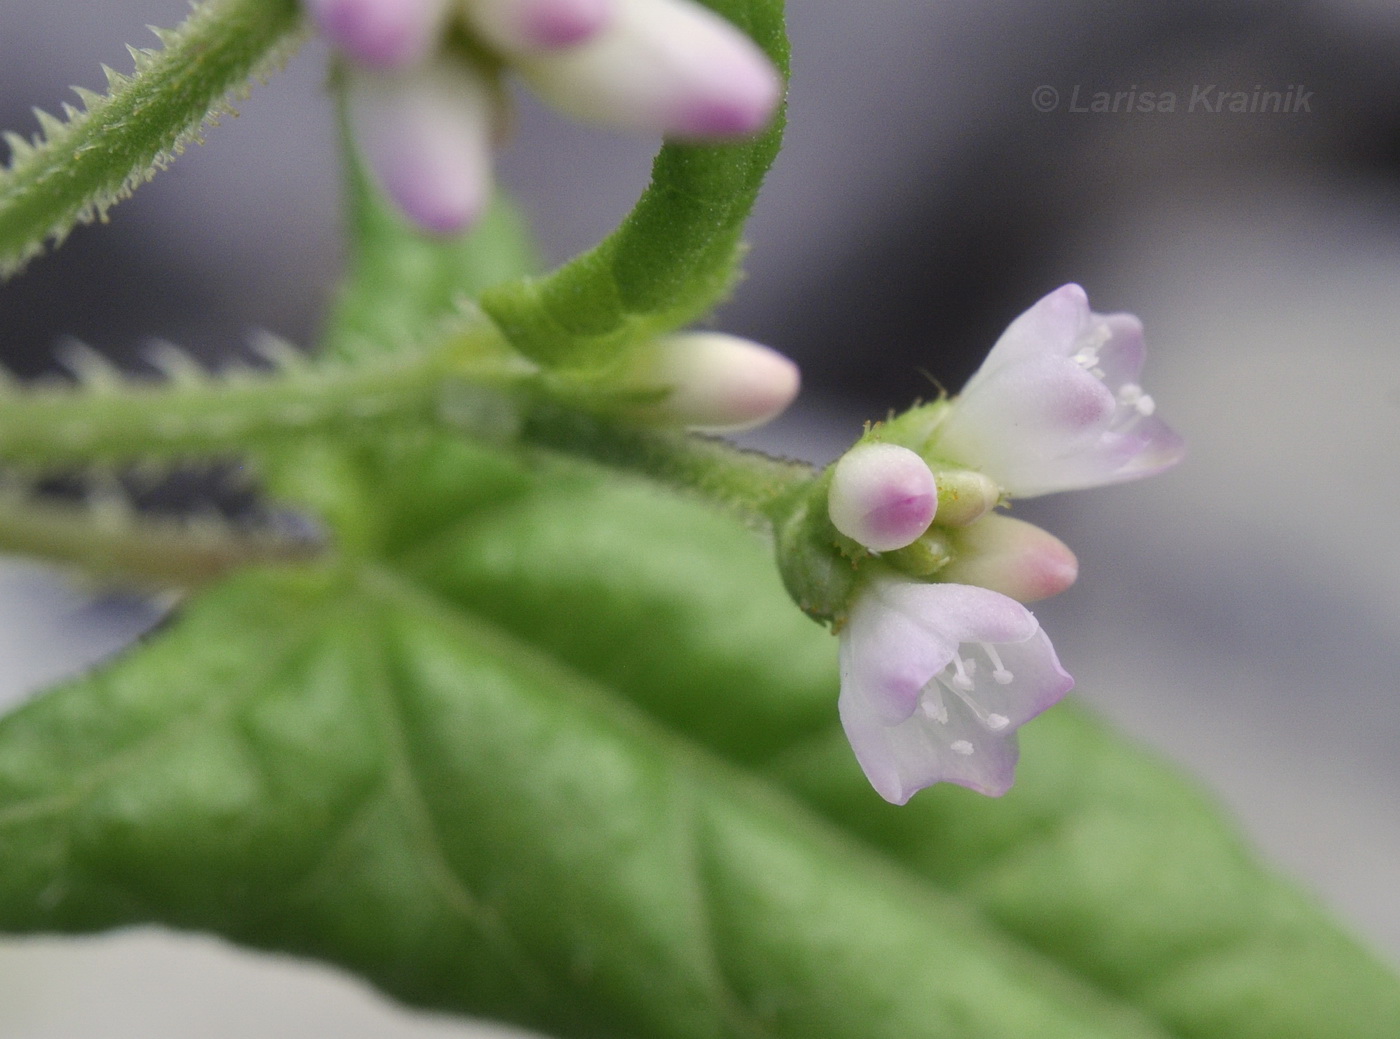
(935, 679)
(714, 382)
(672, 67)
(1057, 405)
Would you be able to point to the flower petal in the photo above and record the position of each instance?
(983, 667)
(1050, 327)
(521, 26)
(1057, 405)
(426, 136)
(383, 34)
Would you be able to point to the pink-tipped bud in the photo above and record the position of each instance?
(718, 383)
(523, 26)
(667, 66)
(426, 136)
(383, 34)
(1012, 557)
(882, 496)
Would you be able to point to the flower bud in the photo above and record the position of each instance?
(668, 66)
(964, 496)
(718, 383)
(426, 135)
(517, 26)
(1012, 557)
(882, 496)
(383, 34)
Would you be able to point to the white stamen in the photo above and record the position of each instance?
(931, 703)
(1145, 405)
(997, 722)
(961, 679)
(961, 747)
(999, 671)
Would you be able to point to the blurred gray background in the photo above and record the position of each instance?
(1242, 613)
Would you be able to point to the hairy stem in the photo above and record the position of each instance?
(749, 483)
(233, 414)
(80, 166)
(111, 541)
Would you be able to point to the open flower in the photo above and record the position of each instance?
(935, 679)
(1057, 404)
(672, 67)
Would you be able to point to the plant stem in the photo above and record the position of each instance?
(81, 166)
(748, 482)
(115, 542)
(108, 420)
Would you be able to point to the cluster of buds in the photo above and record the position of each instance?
(940, 659)
(426, 100)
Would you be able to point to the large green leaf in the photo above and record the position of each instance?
(347, 765)
(1101, 857)
(531, 763)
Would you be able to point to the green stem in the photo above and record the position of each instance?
(232, 414)
(81, 166)
(749, 483)
(113, 541)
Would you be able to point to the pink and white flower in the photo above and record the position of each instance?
(935, 680)
(1057, 405)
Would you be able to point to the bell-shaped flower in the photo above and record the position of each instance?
(1057, 404)
(935, 680)
(668, 66)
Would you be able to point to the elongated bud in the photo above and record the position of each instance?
(882, 496)
(1013, 557)
(667, 66)
(521, 26)
(426, 136)
(718, 383)
(964, 496)
(383, 34)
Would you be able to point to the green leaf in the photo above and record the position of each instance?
(674, 256)
(529, 761)
(351, 767)
(81, 165)
(1100, 858)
